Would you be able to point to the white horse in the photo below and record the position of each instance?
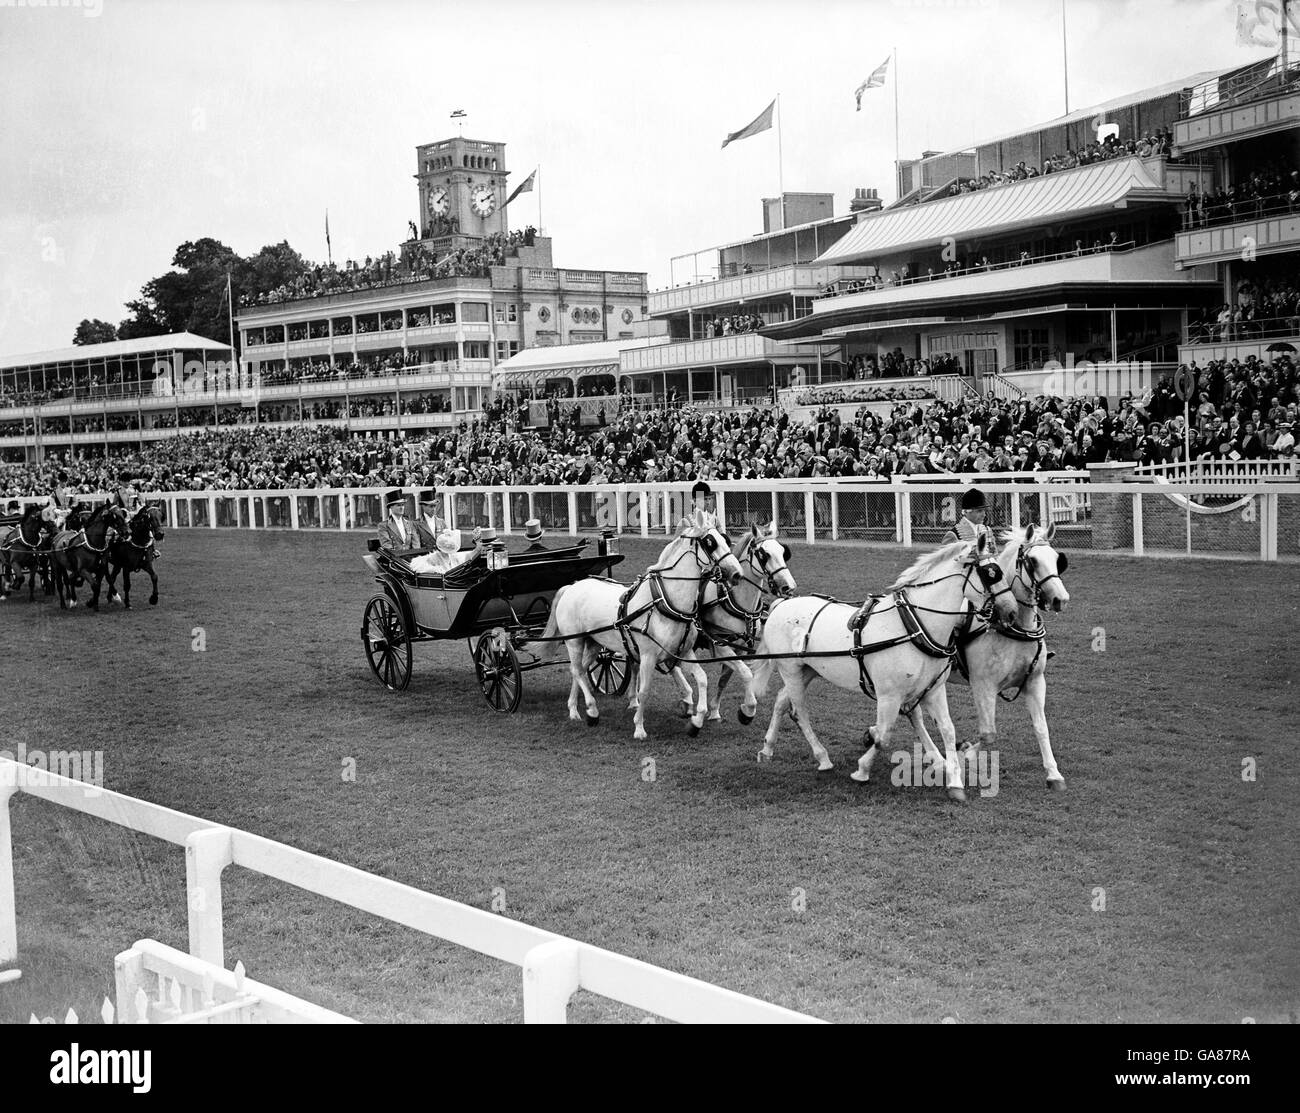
(997, 657)
(734, 615)
(659, 618)
(898, 650)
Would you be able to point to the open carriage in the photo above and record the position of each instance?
(498, 601)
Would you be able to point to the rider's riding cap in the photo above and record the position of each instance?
(973, 500)
(702, 489)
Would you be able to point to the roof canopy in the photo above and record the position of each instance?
(535, 365)
(174, 341)
(1063, 194)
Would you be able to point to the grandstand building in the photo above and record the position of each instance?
(410, 345)
(416, 348)
(100, 398)
(1063, 244)
(1246, 234)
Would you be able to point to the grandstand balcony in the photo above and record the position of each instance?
(1261, 339)
(1268, 226)
(1122, 275)
(742, 347)
(1221, 112)
(793, 279)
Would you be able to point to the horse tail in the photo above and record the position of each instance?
(549, 650)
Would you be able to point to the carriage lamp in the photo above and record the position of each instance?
(608, 544)
(497, 557)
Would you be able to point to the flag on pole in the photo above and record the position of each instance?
(329, 250)
(1252, 29)
(876, 79)
(458, 114)
(526, 186)
(762, 123)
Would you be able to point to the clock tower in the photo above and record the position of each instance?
(462, 185)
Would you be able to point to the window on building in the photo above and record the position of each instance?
(474, 312)
(1030, 347)
(477, 349)
(512, 313)
(506, 349)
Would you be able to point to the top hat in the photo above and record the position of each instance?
(394, 498)
(429, 496)
(487, 535)
(533, 529)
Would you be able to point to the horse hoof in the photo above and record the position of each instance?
(125, 606)
(592, 720)
(958, 794)
(860, 777)
(1056, 786)
(827, 768)
(693, 730)
(685, 710)
(744, 717)
(764, 759)
(153, 600)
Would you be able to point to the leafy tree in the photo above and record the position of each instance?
(94, 332)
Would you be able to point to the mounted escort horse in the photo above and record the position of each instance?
(81, 553)
(998, 657)
(731, 617)
(25, 548)
(655, 620)
(898, 648)
(134, 552)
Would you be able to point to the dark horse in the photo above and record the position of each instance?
(76, 555)
(135, 552)
(21, 547)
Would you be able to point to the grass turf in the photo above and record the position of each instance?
(915, 908)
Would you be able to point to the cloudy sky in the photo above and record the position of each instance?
(129, 126)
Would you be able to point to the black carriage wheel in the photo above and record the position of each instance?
(497, 667)
(610, 673)
(387, 646)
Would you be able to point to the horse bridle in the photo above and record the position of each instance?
(1025, 567)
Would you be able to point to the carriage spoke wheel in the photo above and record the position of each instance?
(610, 672)
(388, 649)
(497, 667)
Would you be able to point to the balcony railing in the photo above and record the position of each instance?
(1214, 214)
(862, 286)
(1238, 331)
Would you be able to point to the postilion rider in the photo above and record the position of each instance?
(128, 498)
(971, 523)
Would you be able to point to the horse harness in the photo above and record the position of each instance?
(752, 620)
(967, 634)
(658, 603)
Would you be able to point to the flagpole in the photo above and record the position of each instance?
(230, 303)
(539, 199)
(1065, 59)
(898, 170)
(780, 162)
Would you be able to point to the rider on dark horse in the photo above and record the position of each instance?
(128, 498)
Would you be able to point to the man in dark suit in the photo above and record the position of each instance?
(395, 532)
(427, 524)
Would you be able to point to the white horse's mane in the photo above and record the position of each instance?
(928, 562)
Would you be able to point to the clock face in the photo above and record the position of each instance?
(483, 200)
(438, 202)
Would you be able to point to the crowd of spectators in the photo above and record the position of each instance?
(1273, 188)
(1263, 307)
(738, 322)
(1243, 410)
(1112, 146)
(417, 263)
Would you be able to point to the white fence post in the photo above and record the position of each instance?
(573, 513)
(8, 908)
(207, 853)
(835, 513)
(212, 513)
(551, 977)
(720, 505)
(505, 510)
(643, 508)
(809, 512)
(1139, 545)
(620, 508)
(905, 518)
(774, 513)
(293, 511)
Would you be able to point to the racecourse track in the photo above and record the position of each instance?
(913, 907)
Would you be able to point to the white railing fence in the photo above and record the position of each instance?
(553, 966)
(1102, 509)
